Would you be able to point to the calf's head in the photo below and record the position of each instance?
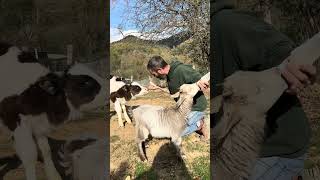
(81, 89)
(138, 90)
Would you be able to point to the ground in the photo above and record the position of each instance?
(310, 99)
(91, 122)
(163, 162)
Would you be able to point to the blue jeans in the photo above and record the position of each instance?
(193, 124)
(278, 168)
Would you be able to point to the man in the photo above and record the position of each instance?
(244, 42)
(178, 74)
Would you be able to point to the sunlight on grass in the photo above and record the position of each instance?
(201, 168)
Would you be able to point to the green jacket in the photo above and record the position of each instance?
(180, 74)
(243, 42)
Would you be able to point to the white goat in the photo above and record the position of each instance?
(84, 157)
(163, 122)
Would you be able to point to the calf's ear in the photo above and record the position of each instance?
(48, 86)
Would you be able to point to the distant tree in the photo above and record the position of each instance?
(156, 18)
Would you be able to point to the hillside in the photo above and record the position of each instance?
(130, 55)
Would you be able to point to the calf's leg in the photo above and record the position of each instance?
(125, 113)
(50, 169)
(26, 149)
(117, 107)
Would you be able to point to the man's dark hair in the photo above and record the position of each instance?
(156, 62)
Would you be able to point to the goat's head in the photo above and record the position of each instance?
(186, 90)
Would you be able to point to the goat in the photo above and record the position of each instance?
(246, 99)
(240, 133)
(38, 110)
(84, 157)
(163, 122)
(80, 157)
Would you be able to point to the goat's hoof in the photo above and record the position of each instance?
(183, 156)
(143, 158)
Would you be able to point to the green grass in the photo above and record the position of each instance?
(191, 146)
(201, 168)
(114, 139)
(144, 172)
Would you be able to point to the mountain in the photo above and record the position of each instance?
(170, 42)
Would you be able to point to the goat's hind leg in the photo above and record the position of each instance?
(142, 135)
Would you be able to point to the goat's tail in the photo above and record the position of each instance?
(130, 109)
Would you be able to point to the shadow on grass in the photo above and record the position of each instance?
(121, 172)
(167, 164)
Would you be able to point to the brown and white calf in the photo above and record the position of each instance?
(35, 102)
(30, 116)
(18, 69)
(120, 93)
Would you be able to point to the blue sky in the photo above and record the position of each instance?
(118, 15)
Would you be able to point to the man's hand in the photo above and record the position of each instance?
(298, 76)
(203, 85)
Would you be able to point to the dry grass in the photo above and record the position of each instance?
(163, 162)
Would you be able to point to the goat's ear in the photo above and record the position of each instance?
(227, 92)
(175, 95)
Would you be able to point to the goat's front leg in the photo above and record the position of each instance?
(117, 107)
(26, 149)
(125, 113)
(177, 143)
(50, 169)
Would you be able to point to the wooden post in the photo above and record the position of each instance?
(69, 54)
(36, 52)
(24, 48)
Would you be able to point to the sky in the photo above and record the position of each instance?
(118, 17)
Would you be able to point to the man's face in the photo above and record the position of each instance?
(158, 74)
